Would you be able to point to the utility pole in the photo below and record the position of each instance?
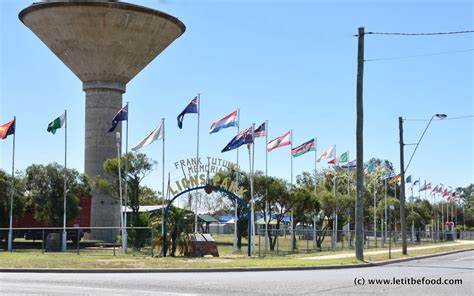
(402, 188)
(359, 214)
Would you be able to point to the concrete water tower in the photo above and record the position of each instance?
(105, 44)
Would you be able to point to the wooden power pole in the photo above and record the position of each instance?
(359, 209)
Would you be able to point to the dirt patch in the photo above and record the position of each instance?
(125, 262)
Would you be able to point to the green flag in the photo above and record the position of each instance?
(57, 123)
(344, 157)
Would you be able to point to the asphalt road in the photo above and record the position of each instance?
(354, 281)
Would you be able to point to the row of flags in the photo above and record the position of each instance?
(247, 136)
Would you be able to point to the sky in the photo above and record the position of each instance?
(292, 63)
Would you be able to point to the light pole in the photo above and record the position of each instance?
(402, 175)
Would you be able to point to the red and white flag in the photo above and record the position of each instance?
(281, 141)
(328, 154)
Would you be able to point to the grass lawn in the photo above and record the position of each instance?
(36, 259)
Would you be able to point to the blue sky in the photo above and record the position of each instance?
(290, 62)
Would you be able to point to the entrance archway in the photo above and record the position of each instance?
(229, 194)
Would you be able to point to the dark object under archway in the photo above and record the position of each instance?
(208, 190)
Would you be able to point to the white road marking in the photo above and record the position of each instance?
(465, 258)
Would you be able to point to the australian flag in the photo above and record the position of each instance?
(192, 107)
(121, 115)
(244, 137)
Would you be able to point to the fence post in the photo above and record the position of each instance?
(78, 240)
(42, 241)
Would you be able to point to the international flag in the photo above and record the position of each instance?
(192, 107)
(303, 148)
(281, 141)
(224, 122)
(394, 179)
(7, 129)
(57, 123)
(327, 154)
(436, 189)
(416, 182)
(389, 175)
(344, 157)
(333, 161)
(425, 187)
(457, 196)
(242, 138)
(370, 168)
(121, 115)
(408, 179)
(260, 131)
(157, 134)
(445, 192)
(350, 164)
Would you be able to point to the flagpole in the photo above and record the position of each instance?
(124, 243)
(163, 181)
(235, 247)
(64, 245)
(266, 212)
(126, 181)
(197, 166)
(348, 177)
(334, 224)
(385, 211)
(12, 191)
(252, 201)
(315, 185)
(292, 212)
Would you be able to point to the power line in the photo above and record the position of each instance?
(448, 118)
(420, 34)
(420, 55)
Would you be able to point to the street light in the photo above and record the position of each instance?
(402, 175)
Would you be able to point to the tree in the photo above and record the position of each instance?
(139, 166)
(18, 202)
(45, 192)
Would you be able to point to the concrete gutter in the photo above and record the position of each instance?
(239, 269)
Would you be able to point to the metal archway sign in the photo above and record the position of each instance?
(208, 189)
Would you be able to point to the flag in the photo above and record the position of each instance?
(344, 157)
(192, 107)
(435, 190)
(327, 154)
(333, 161)
(408, 180)
(445, 192)
(157, 134)
(244, 137)
(394, 179)
(457, 196)
(122, 114)
(389, 175)
(226, 121)
(303, 148)
(370, 168)
(57, 123)
(260, 131)
(281, 141)
(416, 182)
(7, 129)
(350, 164)
(425, 187)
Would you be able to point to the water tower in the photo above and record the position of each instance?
(105, 44)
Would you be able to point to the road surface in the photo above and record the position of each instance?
(354, 281)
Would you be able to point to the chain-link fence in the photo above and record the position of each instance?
(141, 241)
(144, 241)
